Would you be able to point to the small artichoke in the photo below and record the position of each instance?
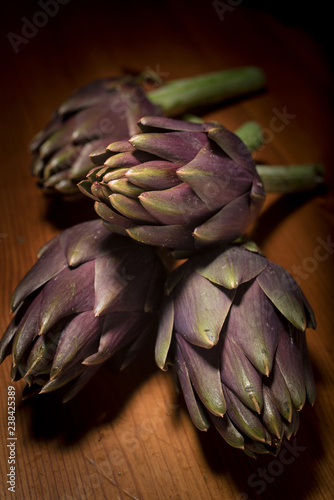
(233, 326)
(178, 184)
(90, 297)
(101, 112)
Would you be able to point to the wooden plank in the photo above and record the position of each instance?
(128, 435)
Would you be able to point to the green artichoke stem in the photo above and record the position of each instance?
(279, 178)
(251, 135)
(178, 96)
(291, 178)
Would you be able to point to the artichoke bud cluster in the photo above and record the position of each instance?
(233, 326)
(92, 296)
(178, 184)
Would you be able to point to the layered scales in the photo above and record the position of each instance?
(178, 184)
(233, 326)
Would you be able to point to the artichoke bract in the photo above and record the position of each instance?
(233, 326)
(178, 184)
(102, 111)
(92, 296)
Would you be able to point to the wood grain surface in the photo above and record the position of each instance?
(128, 435)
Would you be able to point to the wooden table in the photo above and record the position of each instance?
(128, 435)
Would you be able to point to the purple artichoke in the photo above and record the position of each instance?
(97, 114)
(107, 110)
(178, 184)
(233, 325)
(91, 296)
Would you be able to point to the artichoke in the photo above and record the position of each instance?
(90, 297)
(178, 184)
(107, 110)
(233, 326)
(102, 111)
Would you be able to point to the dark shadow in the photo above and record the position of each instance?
(98, 403)
(63, 214)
